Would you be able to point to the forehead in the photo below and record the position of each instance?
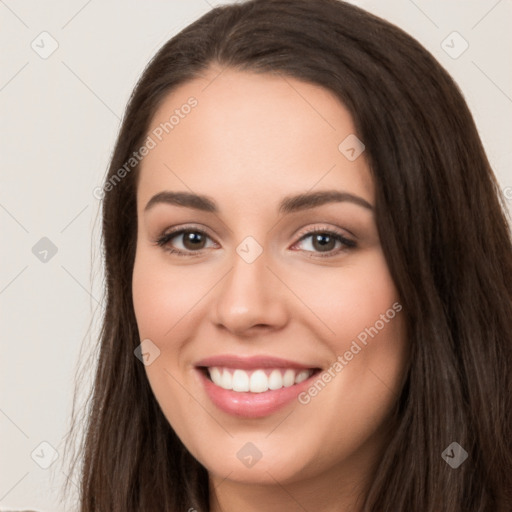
(260, 135)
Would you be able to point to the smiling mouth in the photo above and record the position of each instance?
(258, 380)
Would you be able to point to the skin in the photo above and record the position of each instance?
(251, 140)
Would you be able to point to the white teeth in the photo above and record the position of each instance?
(226, 381)
(303, 375)
(215, 374)
(257, 381)
(289, 378)
(240, 381)
(275, 381)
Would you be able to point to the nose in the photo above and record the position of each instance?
(251, 298)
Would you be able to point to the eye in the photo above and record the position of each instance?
(190, 241)
(324, 243)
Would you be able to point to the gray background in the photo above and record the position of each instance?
(59, 119)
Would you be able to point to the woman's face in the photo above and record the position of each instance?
(281, 260)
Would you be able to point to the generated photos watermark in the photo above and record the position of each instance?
(344, 359)
(151, 142)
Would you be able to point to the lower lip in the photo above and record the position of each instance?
(252, 405)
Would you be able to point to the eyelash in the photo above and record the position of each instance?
(163, 240)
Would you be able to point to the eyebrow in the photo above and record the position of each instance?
(289, 204)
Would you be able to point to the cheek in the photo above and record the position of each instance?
(162, 295)
(368, 343)
(361, 316)
(349, 298)
(163, 298)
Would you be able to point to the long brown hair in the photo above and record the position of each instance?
(446, 238)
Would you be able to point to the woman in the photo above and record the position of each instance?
(306, 251)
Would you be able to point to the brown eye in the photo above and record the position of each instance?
(323, 242)
(193, 240)
(185, 242)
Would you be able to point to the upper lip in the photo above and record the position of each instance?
(251, 363)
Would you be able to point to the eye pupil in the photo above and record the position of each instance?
(325, 241)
